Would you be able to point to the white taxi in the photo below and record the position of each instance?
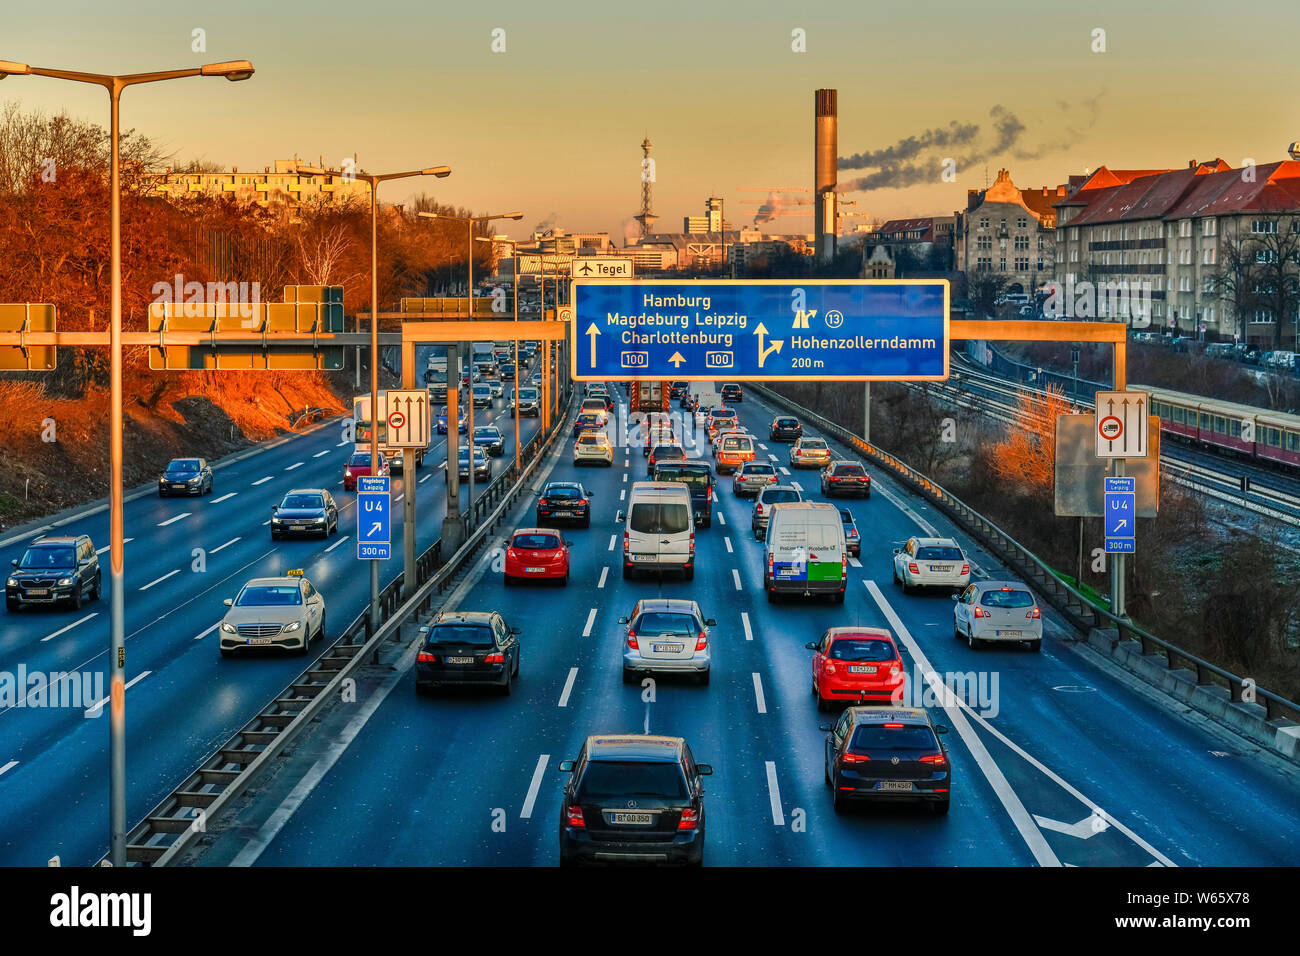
(593, 446)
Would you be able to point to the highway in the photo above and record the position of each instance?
(183, 700)
(1067, 761)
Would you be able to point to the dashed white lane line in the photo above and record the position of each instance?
(7, 767)
(625, 478)
(762, 446)
(730, 549)
(320, 454)
(337, 543)
(855, 562)
(173, 520)
(202, 634)
(735, 576)
(424, 479)
(97, 708)
(226, 545)
(1009, 799)
(533, 787)
(774, 795)
(744, 620)
(568, 687)
(782, 469)
(796, 486)
(108, 546)
(758, 694)
(722, 519)
(604, 573)
(398, 499)
(266, 522)
(296, 464)
(50, 637)
(342, 443)
(262, 481)
(622, 494)
(612, 539)
(591, 619)
(160, 580)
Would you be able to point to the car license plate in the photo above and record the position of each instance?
(895, 786)
(561, 514)
(534, 570)
(940, 567)
(861, 669)
(634, 818)
(259, 641)
(644, 557)
(460, 660)
(179, 487)
(297, 527)
(1007, 633)
(667, 648)
(38, 591)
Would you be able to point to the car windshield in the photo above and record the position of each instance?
(302, 501)
(909, 737)
(269, 595)
(737, 444)
(37, 558)
(528, 394)
(487, 431)
(852, 470)
(691, 477)
(813, 444)
(665, 622)
(482, 390)
(846, 516)
(1007, 598)
(479, 454)
(862, 649)
(478, 635)
(660, 518)
(182, 465)
(782, 494)
(561, 491)
(361, 458)
(938, 554)
(535, 542)
(610, 779)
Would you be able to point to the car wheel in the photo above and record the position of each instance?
(896, 580)
(629, 677)
(11, 605)
(826, 770)
(320, 631)
(508, 685)
(956, 629)
(970, 638)
(837, 802)
(907, 588)
(688, 572)
(1036, 646)
(306, 645)
(703, 679)
(940, 808)
(839, 598)
(564, 581)
(227, 652)
(75, 600)
(823, 704)
(98, 588)
(627, 573)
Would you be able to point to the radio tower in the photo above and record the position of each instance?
(646, 217)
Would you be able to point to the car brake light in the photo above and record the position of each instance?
(582, 501)
(687, 821)
(631, 640)
(829, 668)
(701, 642)
(771, 563)
(911, 566)
(541, 502)
(893, 726)
(771, 480)
(510, 553)
(692, 542)
(573, 815)
(980, 612)
(937, 760)
(1034, 614)
(855, 758)
(853, 532)
(425, 657)
(965, 569)
(494, 659)
(709, 495)
(758, 508)
(625, 546)
(832, 478)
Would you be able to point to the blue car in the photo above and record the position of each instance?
(461, 426)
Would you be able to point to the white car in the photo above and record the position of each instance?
(496, 386)
(998, 612)
(593, 446)
(931, 563)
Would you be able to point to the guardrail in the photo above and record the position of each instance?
(307, 415)
(1078, 609)
(172, 825)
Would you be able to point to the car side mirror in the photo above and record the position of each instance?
(811, 645)
(620, 517)
(940, 728)
(622, 620)
(825, 727)
(704, 769)
(566, 766)
(14, 562)
(568, 544)
(956, 598)
(710, 621)
(229, 602)
(898, 551)
(274, 508)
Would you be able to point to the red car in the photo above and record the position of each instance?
(856, 665)
(358, 466)
(537, 553)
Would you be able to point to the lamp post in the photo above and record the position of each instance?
(514, 285)
(469, 292)
(408, 455)
(233, 70)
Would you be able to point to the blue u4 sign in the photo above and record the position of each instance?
(1120, 513)
(374, 519)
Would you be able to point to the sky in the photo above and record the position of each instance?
(552, 125)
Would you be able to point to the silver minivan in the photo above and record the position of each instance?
(659, 529)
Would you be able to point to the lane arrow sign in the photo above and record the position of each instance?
(1085, 829)
(676, 359)
(763, 353)
(592, 332)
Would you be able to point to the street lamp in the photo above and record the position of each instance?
(469, 293)
(514, 256)
(233, 70)
(408, 460)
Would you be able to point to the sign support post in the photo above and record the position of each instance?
(1117, 564)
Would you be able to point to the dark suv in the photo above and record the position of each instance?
(54, 570)
(633, 798)
(696, 476)
(732, 393)
(786, 428)
(468, 647)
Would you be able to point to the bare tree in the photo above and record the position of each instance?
(1276, 249)
(985, 289)
(1234, 281)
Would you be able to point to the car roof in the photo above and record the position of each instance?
(681, 605)
(463, 617)
(304, 491)
(936, 542)
(844, 461)
(890, 715)
(534, 531)
(780, 488)
(1002, 585)
(266, 582)
(854, 630)
(647, 747)
(62, 541)
(563, 484)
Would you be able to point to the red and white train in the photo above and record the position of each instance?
(1242, 429)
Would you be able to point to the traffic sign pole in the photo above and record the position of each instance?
(408, 477)
(1117, 565)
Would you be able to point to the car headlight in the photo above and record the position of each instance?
(292, 627)
(12, 582)
(227, 628)
(196, 479)
(318, 520)
(64, 582)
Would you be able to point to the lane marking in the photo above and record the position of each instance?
(399, 498)
(758, 693)
(604, 572)
(7, 767)
(342, 443)
(744, 619)
(622, 494)
(625, 478)
(226, 545)
(771, 456)
(722, 519)
(1010, 800)
(782, 469)
(762, 446)
(855, 562)
(262, 481)
(337, 543)
(202, 634)
(108, 546)
(321, 453)
(568, 687)
(266, 522)
(61, 630)
(533, 787)
(183, 514)
(160, 580)
(796, 486)
(774, 795)
(591, 619)
(727, 542)
(612, 539)
(424, 479)
(296, 464)
(97, 708)
(735, 576)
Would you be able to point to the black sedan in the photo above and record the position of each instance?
(468, 647)
(489, 438)
(482, 467)
(786, 428)
(305, 511)
(566, 500)
(846, 478)
(185, 476)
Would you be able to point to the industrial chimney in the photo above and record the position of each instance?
(825, 158)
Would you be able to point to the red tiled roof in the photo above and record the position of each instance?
(1209, 189)
(902, 226)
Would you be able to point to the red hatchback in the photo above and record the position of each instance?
(537, 553)
(856, 665)
(358, 466)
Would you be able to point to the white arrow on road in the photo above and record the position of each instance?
(592, 331)
(1089, 826)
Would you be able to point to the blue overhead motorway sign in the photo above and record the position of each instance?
(1120, 512)
(374, 526)
(760, 330)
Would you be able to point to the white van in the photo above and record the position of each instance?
(806, 553)
(659, 529)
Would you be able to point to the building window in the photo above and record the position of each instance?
(1263, 256)
(984, 242)
(1002, 264)
(1040, 243)
(1263, 226)
(1208, 226)
(1208, 286)
(1022, 263)
(984, 222)
(1022, 222)
(1184, 227)
(1074, 255)
(1184, 257)
(1022, 242)
(1208, 256)
(984, 262)
(1074, 232)
(1040, 265)
(1185, 284)
(1209, 314)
